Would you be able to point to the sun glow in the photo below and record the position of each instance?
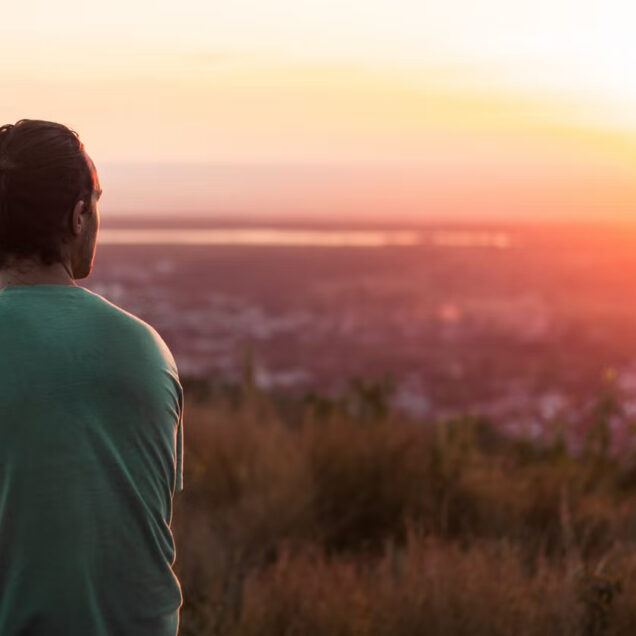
(529, 106)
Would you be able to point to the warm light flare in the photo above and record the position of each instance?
(537, 100)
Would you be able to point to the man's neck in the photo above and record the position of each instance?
(30, 273)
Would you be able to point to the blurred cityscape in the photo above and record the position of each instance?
(521, 324)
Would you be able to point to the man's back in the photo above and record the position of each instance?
(91, 454)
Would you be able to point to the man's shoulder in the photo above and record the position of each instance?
(133, 326)
(118, 314)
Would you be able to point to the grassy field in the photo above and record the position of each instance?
(338, 517)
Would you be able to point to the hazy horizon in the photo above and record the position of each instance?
(455, 110)
(370, 191)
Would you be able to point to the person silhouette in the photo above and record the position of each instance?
(91, 415)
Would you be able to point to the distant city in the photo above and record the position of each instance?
(519, 323)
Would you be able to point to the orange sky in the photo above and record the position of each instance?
(403, 109)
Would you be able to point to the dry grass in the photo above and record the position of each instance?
(327, 522)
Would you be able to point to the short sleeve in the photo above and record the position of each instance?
(177, 387)
(179, 445)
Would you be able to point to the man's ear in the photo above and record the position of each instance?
(76, 218)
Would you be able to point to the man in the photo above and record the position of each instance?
(91, 415)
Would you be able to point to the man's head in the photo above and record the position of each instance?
(48, 197)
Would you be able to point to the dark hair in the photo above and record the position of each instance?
(43, 173)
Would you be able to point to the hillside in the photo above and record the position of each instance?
(337, 516)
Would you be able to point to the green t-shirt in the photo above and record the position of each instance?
(91, 456)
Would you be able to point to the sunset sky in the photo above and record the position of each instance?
(445, 109)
